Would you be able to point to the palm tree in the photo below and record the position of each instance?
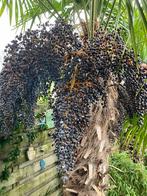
(87, 16)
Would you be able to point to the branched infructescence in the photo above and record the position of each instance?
(32, 60)
(84, 75)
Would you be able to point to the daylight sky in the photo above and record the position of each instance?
(6, 34)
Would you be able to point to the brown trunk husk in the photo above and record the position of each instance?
(90, 176)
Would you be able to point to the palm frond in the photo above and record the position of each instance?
(130, 11)
(141, 13)
(110, 13)
(135, 134)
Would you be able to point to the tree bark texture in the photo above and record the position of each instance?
(90, 177)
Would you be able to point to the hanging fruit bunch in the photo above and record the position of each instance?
(98, 83)
(101, 86)
(31, 62)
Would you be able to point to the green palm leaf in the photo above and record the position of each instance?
(135, 134)
(141, 13)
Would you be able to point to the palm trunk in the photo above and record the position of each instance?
(90, 176)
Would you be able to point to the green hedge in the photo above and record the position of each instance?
(126, 177)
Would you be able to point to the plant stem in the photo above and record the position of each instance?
(93, 16)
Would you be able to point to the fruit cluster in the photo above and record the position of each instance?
(80, 72)
(31, 62)
(85, 77)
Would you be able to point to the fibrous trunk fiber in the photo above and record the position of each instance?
(90, 176)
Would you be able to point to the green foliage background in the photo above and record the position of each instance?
(126, 177)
